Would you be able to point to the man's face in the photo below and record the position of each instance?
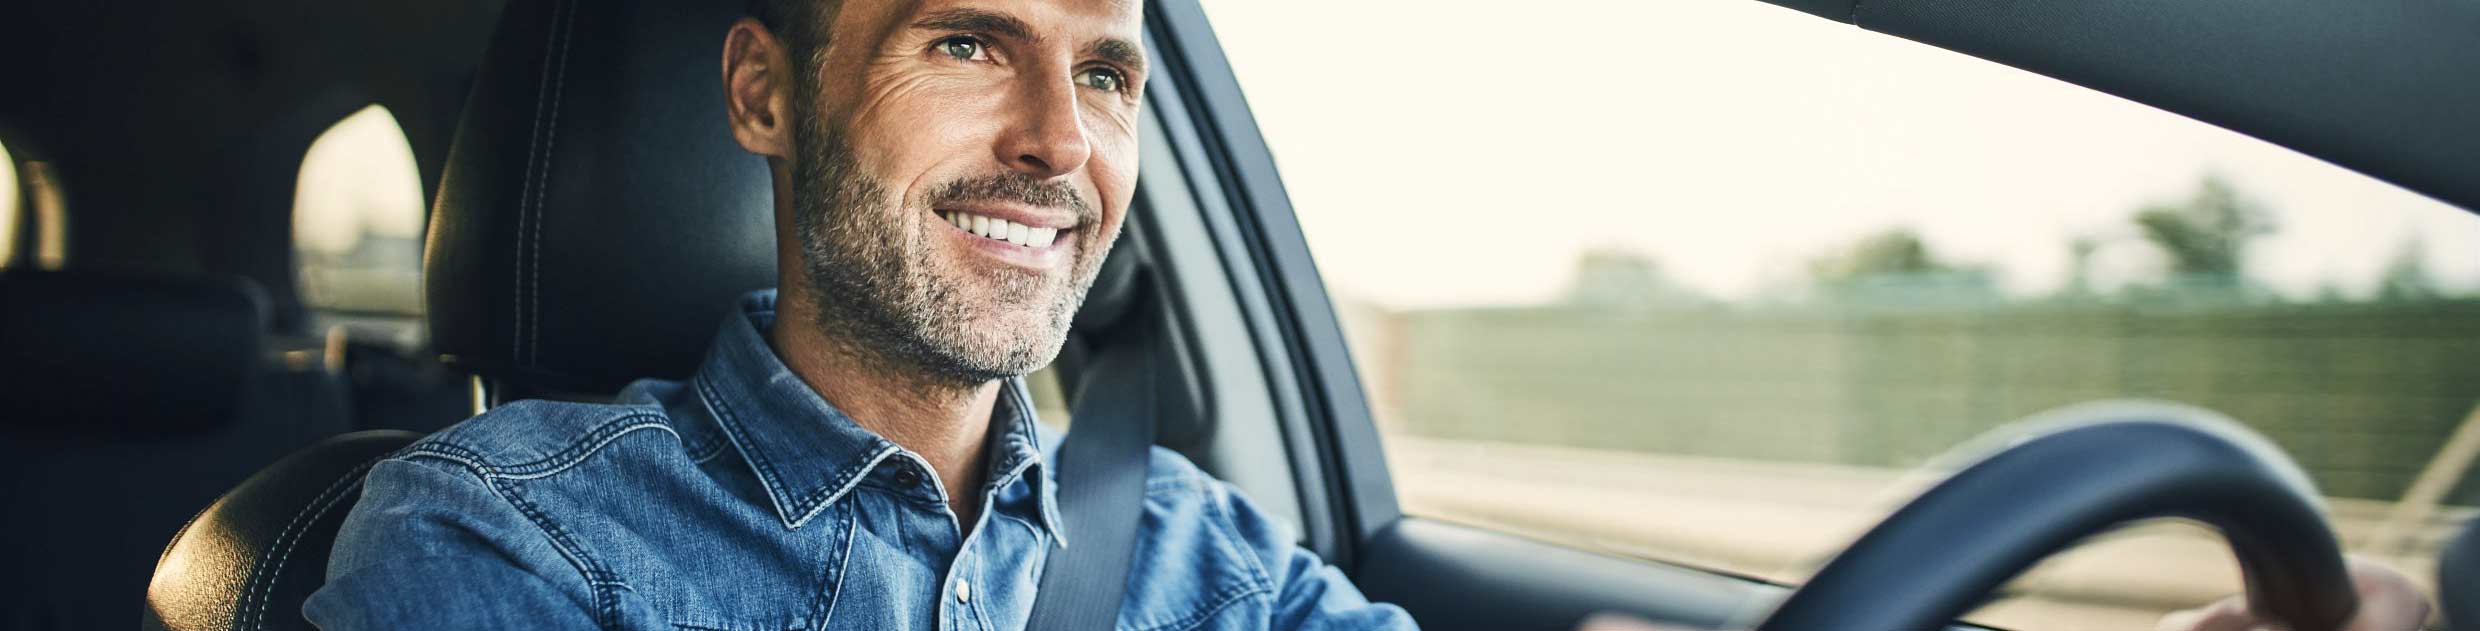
(961, 168)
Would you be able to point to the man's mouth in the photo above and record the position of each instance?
(997, 229)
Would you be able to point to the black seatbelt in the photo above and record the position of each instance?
(1101, 476)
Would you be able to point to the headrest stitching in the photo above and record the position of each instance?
(551, 136)
(535, 178)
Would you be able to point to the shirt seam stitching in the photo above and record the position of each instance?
(587, 445)
(599, 581)
(732, 431)
(843, 567)
(981, 616)
(1227, 531)
(607, 436)
(1207, 613)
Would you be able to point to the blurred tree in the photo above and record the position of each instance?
(1895, 266)
(1893, 252)
(2406, 278)
(1617, 277)
(2080, 259)
(2206, 236)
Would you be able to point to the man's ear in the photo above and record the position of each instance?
(757, 89)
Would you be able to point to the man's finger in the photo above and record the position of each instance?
(1607, 621)
(2228, 614)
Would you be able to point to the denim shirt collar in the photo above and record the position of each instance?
(808, 454)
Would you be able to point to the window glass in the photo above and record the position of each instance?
(46, 209)
(8, 207)
(1050, 404)
(357, 223)
(1716, 282)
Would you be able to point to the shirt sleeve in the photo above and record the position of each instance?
(431, 545)
(1309, 595)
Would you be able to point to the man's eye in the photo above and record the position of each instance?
(1103, 79)
(961, 48)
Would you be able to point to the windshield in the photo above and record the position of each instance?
(1716, 282)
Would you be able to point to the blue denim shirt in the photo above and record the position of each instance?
(740, 500)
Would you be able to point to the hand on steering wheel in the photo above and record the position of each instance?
(2085, 469)
(2388, 601)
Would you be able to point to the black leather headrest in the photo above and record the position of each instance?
(596, 218)
(122, 355)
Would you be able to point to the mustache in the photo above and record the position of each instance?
(1015, 187)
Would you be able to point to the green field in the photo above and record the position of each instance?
(2362, 393)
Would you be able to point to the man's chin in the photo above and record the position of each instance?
(984, 354)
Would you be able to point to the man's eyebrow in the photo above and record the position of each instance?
(976, 21)
(1118, 51)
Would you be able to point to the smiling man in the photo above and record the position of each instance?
(858, 451)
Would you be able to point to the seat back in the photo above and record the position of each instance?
(172, 354)
(595, 220)
(251, 558)
(130, 402)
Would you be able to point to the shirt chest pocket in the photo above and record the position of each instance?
(731, 581)
(729, 601)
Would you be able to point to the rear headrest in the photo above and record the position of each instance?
(90, 353)
(596, 220)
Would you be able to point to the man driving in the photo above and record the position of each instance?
(858, 449)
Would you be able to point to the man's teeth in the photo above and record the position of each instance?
(1003, 230)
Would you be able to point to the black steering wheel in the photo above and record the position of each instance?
(2088, 468)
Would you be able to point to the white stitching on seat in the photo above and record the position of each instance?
(251, 612)
(286, 559)
(533, 158)
(551, 137)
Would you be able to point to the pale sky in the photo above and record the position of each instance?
(1453, 153)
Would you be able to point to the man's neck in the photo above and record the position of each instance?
(948, 424)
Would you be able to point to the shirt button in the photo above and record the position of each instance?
(964, 591)
(906, 477)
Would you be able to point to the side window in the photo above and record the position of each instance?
(31, 214)
(9, 196)
(42, 217)
(1050, 403)
(357, 226)
(1717, 283)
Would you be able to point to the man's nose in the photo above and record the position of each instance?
(1046, 138)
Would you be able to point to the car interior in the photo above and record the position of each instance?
(186, 427)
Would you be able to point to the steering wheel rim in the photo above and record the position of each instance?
(2087, 468)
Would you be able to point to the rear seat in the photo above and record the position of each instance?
(129, 404)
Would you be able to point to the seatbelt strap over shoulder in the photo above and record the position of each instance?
(1101, 477)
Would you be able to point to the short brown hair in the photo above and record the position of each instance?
(800, 24)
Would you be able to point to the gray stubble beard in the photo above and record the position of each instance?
(873, 279)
